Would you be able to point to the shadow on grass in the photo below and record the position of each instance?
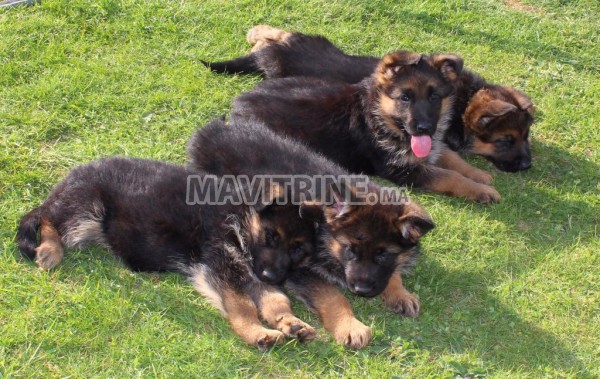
(549, 204)
(545, 206)
(460, 315)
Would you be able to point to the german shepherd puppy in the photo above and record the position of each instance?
(360, 247)
(138, 209)
(489, 120)
(391, 124)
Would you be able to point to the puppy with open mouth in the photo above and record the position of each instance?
(391, 124)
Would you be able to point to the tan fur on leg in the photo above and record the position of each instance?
(243, 317)
(452, 183)
(398, 299)
(451, 160)
(50, 252)
(276, 310)
(337, 317)
(261, 35)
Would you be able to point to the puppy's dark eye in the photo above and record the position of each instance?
(382, 256)
(297, 252)
(404, 97)
(272, 238)
(434, 97)
(505, 142)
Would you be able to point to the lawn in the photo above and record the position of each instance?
(508, 290)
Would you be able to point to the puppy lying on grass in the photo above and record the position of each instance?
(139, 210)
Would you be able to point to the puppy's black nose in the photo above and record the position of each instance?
(362, 289)
(269, 275)
(525, 164)
(424, 127)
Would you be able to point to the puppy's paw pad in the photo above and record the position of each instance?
(265, 33)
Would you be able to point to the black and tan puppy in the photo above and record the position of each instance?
(391, 124)
(489, 120)
(139, 210)
(360, 247)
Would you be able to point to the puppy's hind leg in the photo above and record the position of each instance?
(262, 35)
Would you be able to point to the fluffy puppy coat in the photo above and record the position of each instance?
(360, 247)
(371, 127)
(138, 209)
(487, 119)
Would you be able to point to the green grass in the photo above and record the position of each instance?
(510, 290)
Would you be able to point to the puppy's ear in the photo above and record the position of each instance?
(273, 194)
(449, 65)
(339, 206)
(523, 100)
(311, 210)
(414, 223)
(494, 109)
(394, 63)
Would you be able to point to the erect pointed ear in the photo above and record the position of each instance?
(449, 65)
(312, 211)
(493, 109)
(272, 194)
(338, 207)
(393, 63)
(523, 100)
(414, 224)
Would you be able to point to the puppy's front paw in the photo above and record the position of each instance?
(485, 194)
(293, 327)
(480, 176)
(403, 303)
(352, 333)
(269, 338)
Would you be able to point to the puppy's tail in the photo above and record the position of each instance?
(242, 65)
(27, 232)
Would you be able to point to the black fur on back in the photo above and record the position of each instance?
(300, 55)
(315, 56)
(248, 147)
(336, 119)
(137, 208)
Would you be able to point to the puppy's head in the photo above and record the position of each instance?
(500, 119)
(369, 242)
(414, 94)
(280, 240)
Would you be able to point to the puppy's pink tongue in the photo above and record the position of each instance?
(421, 145)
